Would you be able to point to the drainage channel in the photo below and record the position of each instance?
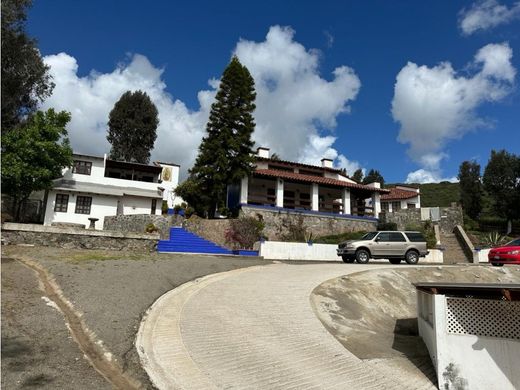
(95, 353)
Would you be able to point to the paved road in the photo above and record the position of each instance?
(252, 329)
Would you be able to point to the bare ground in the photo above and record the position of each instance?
(106, 292)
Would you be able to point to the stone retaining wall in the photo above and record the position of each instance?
(137, 223)
(211, 229)
(17, 233)
(277, 222)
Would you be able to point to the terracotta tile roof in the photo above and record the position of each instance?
(296, 164)
(314, 179)
(398, 194)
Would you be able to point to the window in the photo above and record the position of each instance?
(83, 204)
(384, 206)
(396, 206)
(385, 237)
(396, 237)
(62, 201)
(415, 237)
(82, 167)
(411, 205)
(154, 206)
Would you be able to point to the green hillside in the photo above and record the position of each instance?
(436, 194)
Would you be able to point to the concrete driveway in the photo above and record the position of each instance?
(251, 329)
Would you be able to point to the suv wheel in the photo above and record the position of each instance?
(412, 257)
(348, 259)
(394, 261)
(362, 256)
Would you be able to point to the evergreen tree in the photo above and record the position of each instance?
(502, 183)
(25, 78)
(132, 127)
(34, 154)
(470, 188)
(225, 153)
(358, 176)
(373, 176)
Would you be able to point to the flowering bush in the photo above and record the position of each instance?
(244, 232)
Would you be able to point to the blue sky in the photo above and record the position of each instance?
(442, 113)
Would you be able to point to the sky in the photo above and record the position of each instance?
(410, 88)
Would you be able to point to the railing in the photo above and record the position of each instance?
(465, 243)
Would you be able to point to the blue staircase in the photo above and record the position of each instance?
(187, 242)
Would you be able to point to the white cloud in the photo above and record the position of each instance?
(487, 14)
(436, 105)
(427, 176)
(295, 106)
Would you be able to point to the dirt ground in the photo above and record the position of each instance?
(374, 313)
(111, 290)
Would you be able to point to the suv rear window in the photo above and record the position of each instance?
(415, 237)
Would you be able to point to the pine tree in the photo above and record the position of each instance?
(373, 176)
(225, 153)
(358, 176)
(132, 127)
(470, 188)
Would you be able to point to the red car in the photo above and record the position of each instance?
(507, 254)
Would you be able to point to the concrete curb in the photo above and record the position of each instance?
(159, 341)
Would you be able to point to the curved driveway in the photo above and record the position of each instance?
(251, 328)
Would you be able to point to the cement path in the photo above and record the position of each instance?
(252, 329)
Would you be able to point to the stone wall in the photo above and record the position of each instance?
(278, 222)
(403, 218)
(211, 229)
(16, 233)
(450, 217)
(137, 223)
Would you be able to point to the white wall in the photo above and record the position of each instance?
(138, 205)
(102, 206)
(277, 250)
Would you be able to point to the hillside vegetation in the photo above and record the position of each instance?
(437, 194)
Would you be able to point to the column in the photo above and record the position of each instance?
(244, 190)
(345, 199)
(315, 197)
(279, 193)
(376, 203)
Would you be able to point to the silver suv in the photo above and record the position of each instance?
(392, 245)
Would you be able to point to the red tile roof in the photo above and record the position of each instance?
(314, 179)
(297, 164)
(398, 194)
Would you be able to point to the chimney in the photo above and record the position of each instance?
(262, 152)
(326, 163)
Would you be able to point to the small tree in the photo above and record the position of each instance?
(374, 176)
(470, 188)
(25, 78)
(502, 183)
(358, 176)
(225, 154)
(132, 127)
(33, 155)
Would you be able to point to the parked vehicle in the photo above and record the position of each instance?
(506, 254)
(392, 245)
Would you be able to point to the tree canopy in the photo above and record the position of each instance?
(25, 78)
(34, 154)
(133, 127)
(373, 176)
(225, 153)
(502, 182)
(470, 188)
(358, 176)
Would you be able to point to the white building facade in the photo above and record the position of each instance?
(401, 197)
(96, 187)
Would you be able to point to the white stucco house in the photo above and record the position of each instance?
(96, 187)
(295, 186)
(401, 197)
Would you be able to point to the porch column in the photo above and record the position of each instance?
(315, 197)
(345, 199)
(279, 193)
(244, 190)
(376, 203)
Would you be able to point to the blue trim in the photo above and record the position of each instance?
(309, 212)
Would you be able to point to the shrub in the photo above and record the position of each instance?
(177, 208)
(386, 226)
(426, 228)
(494, 239)
(151, 228)
(294, 231)
(244, 232)
(337, 238)
(164, 207)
